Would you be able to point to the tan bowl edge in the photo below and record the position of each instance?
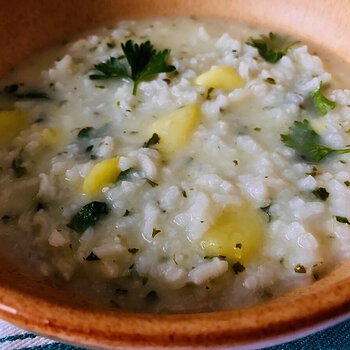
(26, 26)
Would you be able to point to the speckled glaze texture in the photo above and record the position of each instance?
(28, 25)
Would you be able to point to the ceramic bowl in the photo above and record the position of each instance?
(28, 25)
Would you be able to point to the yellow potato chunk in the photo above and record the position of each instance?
(102, 174)
(12, 122)
(237, 234)
(220, 77)
(175, 129)
(49, 137)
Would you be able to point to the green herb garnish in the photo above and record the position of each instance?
(271, 47)
(143, 63)
(126, 175)
(133, 250)
(300, 269)
(29, 95)
(85, 132)
(342, 220)
(155, 232)
(307, 143)
(321, 104)
(151, 183)
(127, 212)
(238, 268)
(92, 257)
(152, 141)
(321, 193)
(88, 216)
(270, 80)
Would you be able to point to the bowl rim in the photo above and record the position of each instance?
(42, 309)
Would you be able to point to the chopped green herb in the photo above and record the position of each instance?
(271, 47)
(238, 268)
(152, 141)
(321, 193)
(267, 211)
(133, 250)
(151, 183)
(99, 86)
(85, 132)
(88, 216)
(155, 232)
(235, 162)
(111, 44)
(88, 149)
(184, 193)
(307, 143)
(270, 81)
(143, 63)
(17, 165)
(127, 213)
(126, 175)
(13, 90)
(210, 90)
(257, 129)
(300, 269)
(152, 296)
(342, 219)
(92, 257)
(321, 104)
(239, 245)
(314, 172)
(347, 183)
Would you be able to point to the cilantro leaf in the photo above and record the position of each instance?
(13, 91)
(307, 143)
(271, 47)
(88, 216)
(143, 63)
(321, 193)
(321, 104)
(110, 69)
(152, 141)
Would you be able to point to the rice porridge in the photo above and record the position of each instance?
(175, 165)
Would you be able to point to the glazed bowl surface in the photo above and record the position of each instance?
(28, 26)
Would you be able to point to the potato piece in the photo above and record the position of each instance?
(101, 174)
(237, 234)
(175, 129)
(220, 77)
(12, 122)
(49, 137)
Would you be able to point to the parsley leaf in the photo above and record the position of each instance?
(321, 104)
(143, 62)
(342, 219)
(88, 216)
(271, 47)
(110, 69)
(307, 143)
(13, 91)
(152, 141)
(126, 175)
(321, 193)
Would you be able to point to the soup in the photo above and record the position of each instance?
(175, 165)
